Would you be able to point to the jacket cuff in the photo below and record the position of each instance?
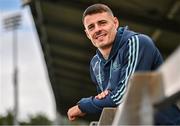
(86, 105)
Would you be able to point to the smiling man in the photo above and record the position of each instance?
(120, 52)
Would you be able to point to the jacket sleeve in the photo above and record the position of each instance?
(138, 57)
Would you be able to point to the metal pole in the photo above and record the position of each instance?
(15, 77)
(13, 22)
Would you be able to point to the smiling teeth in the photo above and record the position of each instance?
(102, 35)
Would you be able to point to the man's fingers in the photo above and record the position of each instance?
(98, 96)
(102, 94)
(72, 118)
(106, 92)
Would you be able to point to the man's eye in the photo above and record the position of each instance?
(90, 27)
(103, 22)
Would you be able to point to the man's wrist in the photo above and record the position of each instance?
(79, 108)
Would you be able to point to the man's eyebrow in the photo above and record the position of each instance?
(102, 21)
(90, 25)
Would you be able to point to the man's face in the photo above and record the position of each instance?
(101, 29)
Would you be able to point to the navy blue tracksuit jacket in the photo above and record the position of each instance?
(131, 52)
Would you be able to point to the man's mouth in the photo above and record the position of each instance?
(100, 36)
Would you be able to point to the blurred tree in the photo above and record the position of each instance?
(8, 119)
(39, 119)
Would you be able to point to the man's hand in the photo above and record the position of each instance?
(74, 112)
(102, 95)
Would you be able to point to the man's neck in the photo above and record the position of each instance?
(105, 52)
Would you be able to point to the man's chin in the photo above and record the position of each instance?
(103, 47)
(101, 43)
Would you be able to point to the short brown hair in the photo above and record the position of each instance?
(96, 8)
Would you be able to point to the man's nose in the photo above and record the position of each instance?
(97, 28)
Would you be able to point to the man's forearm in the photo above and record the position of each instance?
(93, 105)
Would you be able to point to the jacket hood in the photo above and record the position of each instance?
(123, 34)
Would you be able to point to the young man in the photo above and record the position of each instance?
(120, 52)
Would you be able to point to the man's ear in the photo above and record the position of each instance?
(87, 33)
(116, 22)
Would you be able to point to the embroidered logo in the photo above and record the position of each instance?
(100, 78)
(116, 66)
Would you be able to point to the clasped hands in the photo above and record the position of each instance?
(74, 112)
